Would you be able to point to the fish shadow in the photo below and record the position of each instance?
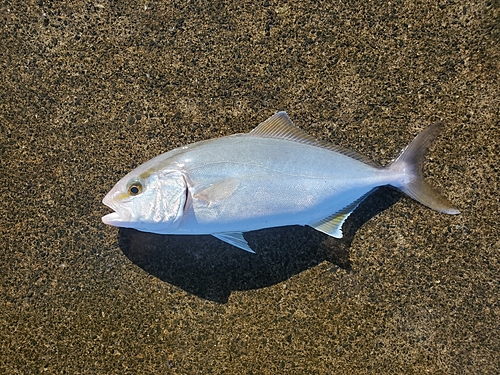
(211, 269)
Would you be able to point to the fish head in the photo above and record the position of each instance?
(147, 201)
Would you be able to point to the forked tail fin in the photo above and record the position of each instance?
(410, 163)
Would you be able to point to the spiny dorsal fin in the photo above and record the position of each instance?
(280, 126)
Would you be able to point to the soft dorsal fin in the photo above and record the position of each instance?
(280, 126)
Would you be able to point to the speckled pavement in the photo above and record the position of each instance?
(89, 90)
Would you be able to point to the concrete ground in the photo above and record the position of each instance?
(89, 90)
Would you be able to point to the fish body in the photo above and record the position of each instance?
(276, 175)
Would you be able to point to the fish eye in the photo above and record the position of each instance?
(135, 188)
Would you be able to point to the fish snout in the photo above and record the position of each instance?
(121, 216)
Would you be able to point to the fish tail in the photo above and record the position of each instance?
(409, 163)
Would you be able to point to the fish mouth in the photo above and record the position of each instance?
(119, 218)
(114, 219)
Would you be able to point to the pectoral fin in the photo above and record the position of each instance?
(235, 239)
(218, 191)
(332, 225)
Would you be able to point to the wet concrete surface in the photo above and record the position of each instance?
(91, 90)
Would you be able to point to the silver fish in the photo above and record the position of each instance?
(276, 175)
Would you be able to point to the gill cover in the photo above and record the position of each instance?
(171, 198)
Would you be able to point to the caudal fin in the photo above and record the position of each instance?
(410, 163)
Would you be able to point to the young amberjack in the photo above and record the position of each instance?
(276, 175)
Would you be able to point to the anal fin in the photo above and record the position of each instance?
(332, 225)
(235, 239)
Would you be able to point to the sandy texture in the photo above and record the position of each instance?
(89, 90)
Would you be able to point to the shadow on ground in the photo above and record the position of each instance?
(211, 269)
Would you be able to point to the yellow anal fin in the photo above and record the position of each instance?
(332, 225)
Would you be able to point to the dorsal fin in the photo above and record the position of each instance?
(280, 126)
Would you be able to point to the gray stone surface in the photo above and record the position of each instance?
(91, 89)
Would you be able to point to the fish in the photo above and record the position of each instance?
(275, 175)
